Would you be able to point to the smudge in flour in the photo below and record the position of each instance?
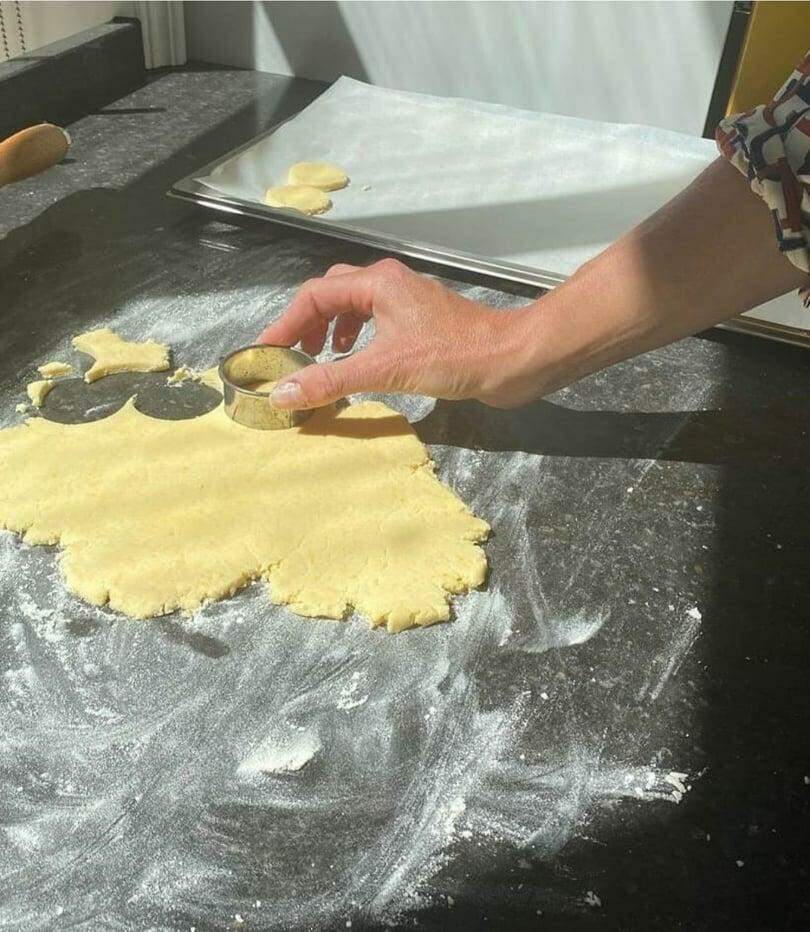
(668, 662)
(349, 694)
(564, 632)
(284, 751)
(507, 633)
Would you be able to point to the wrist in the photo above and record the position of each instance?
(566, 334)
(515, 368)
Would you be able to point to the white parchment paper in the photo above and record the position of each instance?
(536, 189)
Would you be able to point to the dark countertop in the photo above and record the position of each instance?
(647, 614)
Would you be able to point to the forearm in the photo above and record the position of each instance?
(706, 256)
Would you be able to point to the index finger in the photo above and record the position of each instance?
(320, 300)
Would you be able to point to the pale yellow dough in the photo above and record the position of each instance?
(53, 370)
(183, 374)
(38, 391)
(319, 175)
(157, 515)
(114, 354)
(210, 377)
(301, 197)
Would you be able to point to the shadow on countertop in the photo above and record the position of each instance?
(90, 249)
(746, 432)
(733, 853)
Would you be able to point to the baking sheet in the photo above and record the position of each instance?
(532, 189)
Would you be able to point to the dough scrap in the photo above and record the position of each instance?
(38, 391)
(318, 175)
(113, 354)
(301, 197)
(53, 370)
(342, 511)
(183, 374)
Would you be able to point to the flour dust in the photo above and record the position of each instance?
(295, 773)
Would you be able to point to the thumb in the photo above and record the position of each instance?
(323, 383)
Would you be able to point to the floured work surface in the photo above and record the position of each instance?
(375, 761)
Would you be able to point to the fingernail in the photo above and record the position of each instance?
(288, 395)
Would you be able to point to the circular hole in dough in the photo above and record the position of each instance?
(300, 197)
(318, 174)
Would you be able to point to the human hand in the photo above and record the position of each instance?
(427, 340)
(656, 284)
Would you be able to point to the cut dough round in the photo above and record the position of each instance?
(301, 197)
(319, 175)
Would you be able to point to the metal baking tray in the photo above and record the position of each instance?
(187, 189)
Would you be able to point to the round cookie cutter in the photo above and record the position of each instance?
(250, 366)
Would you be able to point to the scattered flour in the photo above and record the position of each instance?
(349, 699)
(169, 758)
(282, 752)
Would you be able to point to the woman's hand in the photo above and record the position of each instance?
(427, 340)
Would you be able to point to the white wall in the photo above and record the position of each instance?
(47, 21)
(51, 20)
(636, 62)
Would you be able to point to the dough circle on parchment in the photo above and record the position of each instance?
(157, 515)
(113, 354)
(301, 197)
(319, 175)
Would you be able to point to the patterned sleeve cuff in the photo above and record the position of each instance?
(770, 145)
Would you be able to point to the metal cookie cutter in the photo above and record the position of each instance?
(248, 377)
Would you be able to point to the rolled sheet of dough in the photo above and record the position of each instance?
(319, 175)
(157, 515)
(114, 354)
(53, 370)
(301, 197)
(38, 391)
(210, 377)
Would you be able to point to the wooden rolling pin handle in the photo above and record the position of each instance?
(31, 151)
